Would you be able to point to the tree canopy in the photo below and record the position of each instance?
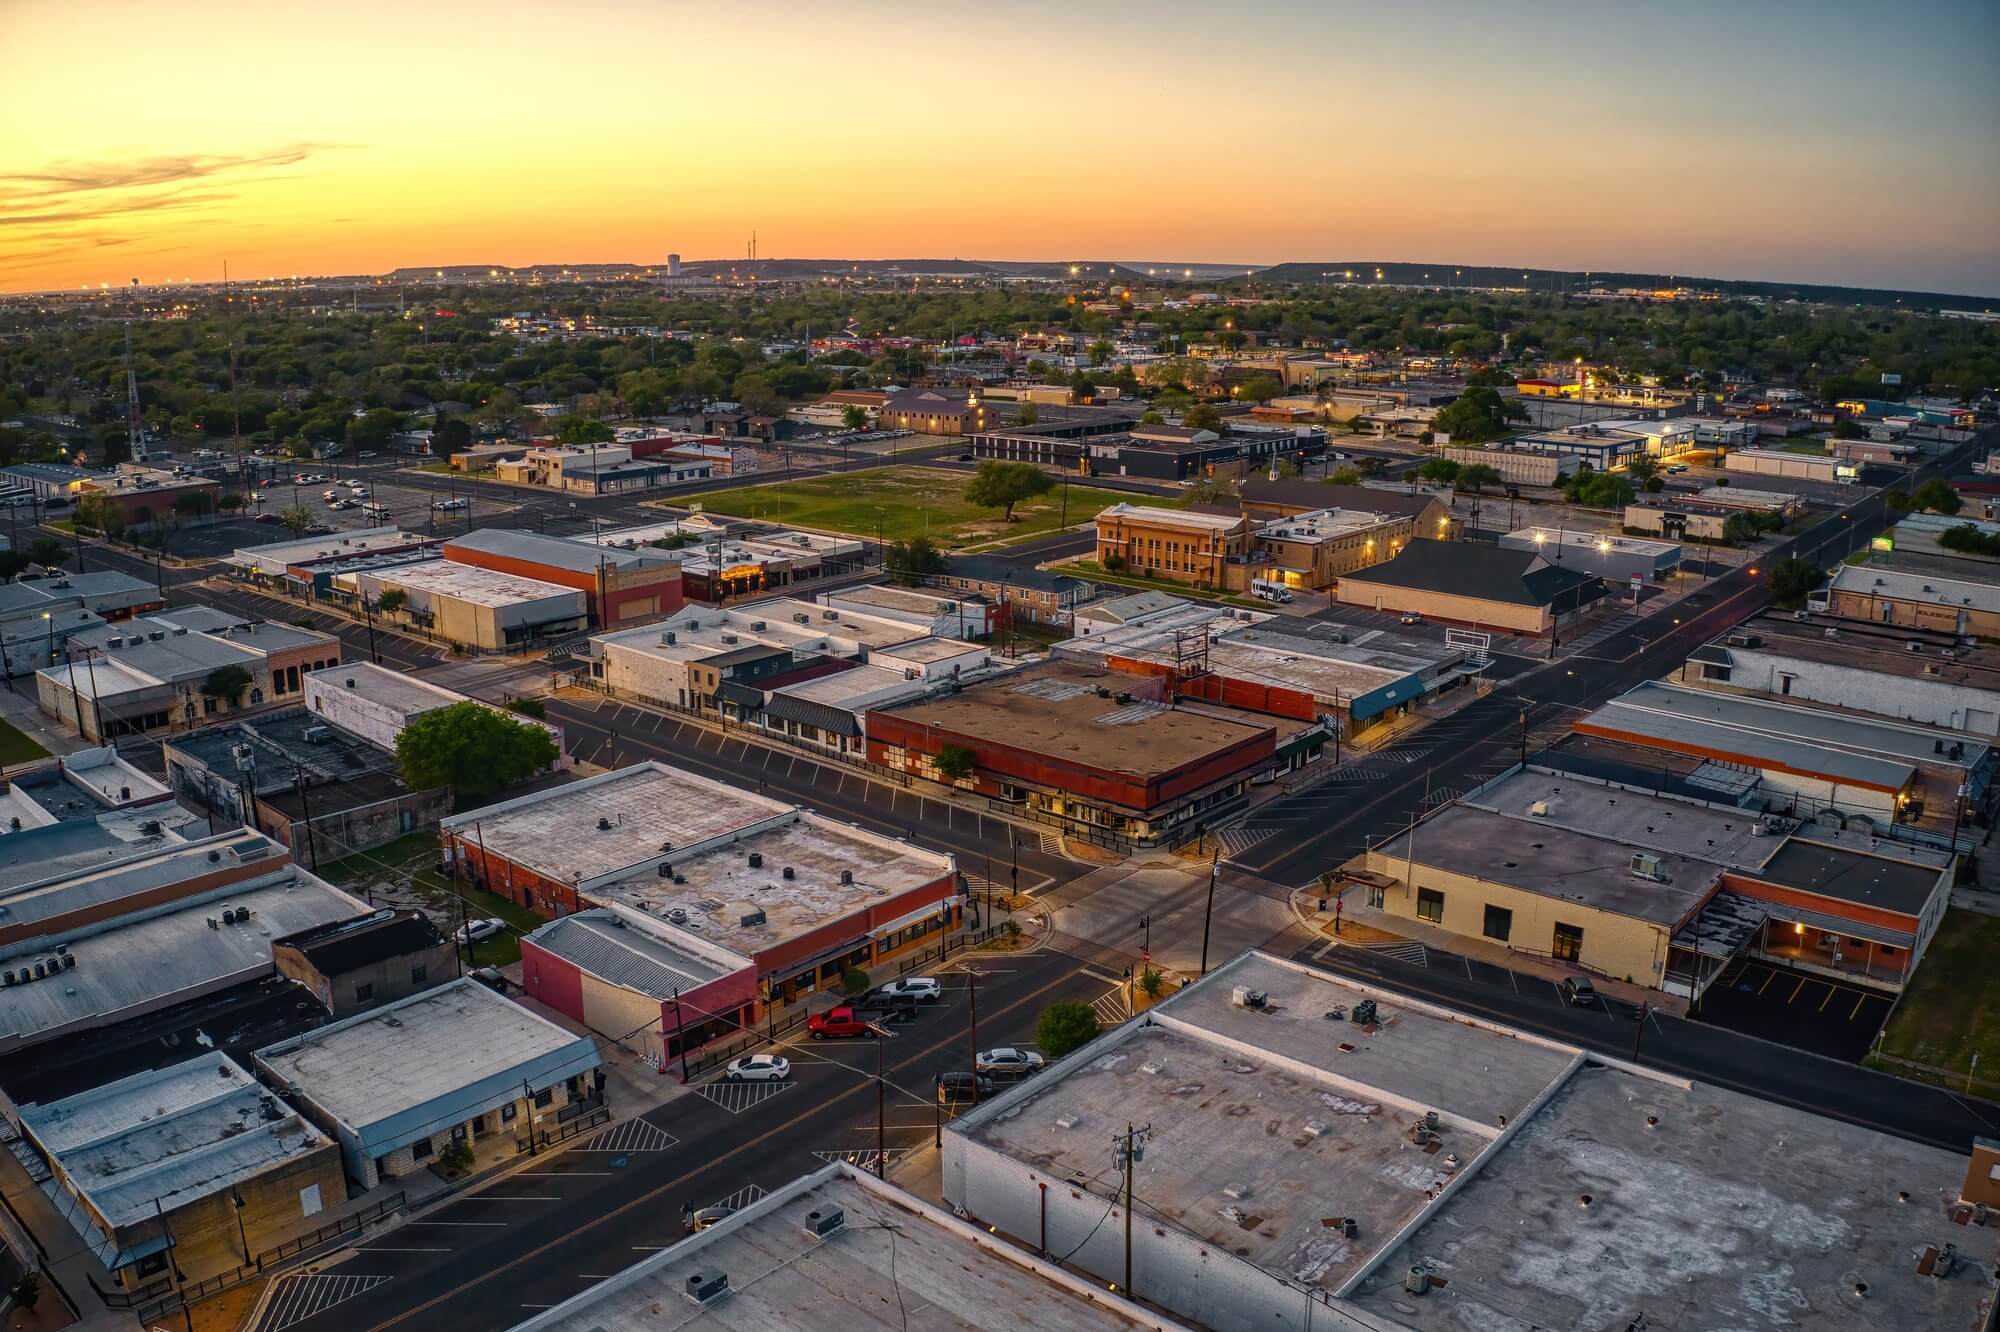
(1002, 485)
(472, 749)
(913, 560)
(227, 683)
(1478, 415)
(1065, 1026)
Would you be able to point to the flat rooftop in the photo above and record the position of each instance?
(1570, 538)
(334, 545)
(648, 960)
(391, 689)
(1975, 588)
(1690, 734)
(1742, 497)
(1902, 886)
(1267, 1120)
(1326, 524)
(405, 1056)
(1156, 516)
(559, 552)
(650, 807)
(1882, 649)
(723, 887)
(1054, 710)
(1847, 732)
(1729, 1212)
(924, 651)
(169, 1136)
(1555, 862)
(1542, 799)
(894, 1252)
(861, 687)
(904, 600)
(465, 582)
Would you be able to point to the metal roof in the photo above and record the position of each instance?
(603, 944)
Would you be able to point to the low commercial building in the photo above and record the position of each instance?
(134, 496)
(1520, 592)
(322, 792)
(1101, 754)
(474, 607)
(376, 703)
(1617, 559)
(168, 921)
(732, 560)
(929, 612)
(153, 673)
(1517, 467)
(1423, 1168)
(599, 469)
(1908, 674)
(301, 564)
(799, 895)
(1959, 597)
(665, 993)
(1818, 758)
(1314, 550)
(193, 1167)
(1881, 452)
(50, 481)
(932, 412)
(1176, 453)
(841, 1238)
(1263, 498)
(1021, 591)
(351, 965)
(619, 586)
(1781, 462)
(1692, 520)
(1610, 444)
(456, 1065)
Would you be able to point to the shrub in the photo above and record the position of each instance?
(456, 1158)
(855, 981)
(529, 707)
(1064, 1027)
(1152, 982)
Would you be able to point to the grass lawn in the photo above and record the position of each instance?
(1951, 1011)
(18, 747)
(1816, 447)
(415, 856)
(1093, 571)
(905, 502)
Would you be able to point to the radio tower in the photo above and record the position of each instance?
(134, 426)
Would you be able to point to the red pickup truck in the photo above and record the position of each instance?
(836, 1023)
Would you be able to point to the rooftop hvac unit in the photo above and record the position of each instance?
(830, 615)
(677, 915)
(1539, 810)
(316, 735)
(1646, 865)
(756, 626)
(707, 1287)
(801, 617)
(846, 877)
(1913, 646)
(730, 639)
(751, 919)
(824, 1221)
(667, 638)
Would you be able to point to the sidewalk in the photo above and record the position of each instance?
(34, 1229)
(1363, 926)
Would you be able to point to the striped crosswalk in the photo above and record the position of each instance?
(634, 1135)
(1111, 1008)
(302, 1295)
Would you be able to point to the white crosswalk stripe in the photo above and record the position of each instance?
(736, 1097)
(634, 1135)
(865, 1160)
(1110, 1008)
(743, 1197)
(1244, 836)
(1402, 951)
(301, 1295)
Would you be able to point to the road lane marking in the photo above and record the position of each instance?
(1829, 999)
(1857, 1008)
(1769, 976)
(1796, 989)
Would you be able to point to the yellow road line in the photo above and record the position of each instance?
(1829, 999)
(1857, 1008)
(1769, 976)
(1795, 990)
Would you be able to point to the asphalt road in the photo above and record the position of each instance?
(489, 1259)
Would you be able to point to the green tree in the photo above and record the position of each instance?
(583, 430)
(854, 416)
(955, 763)
(1347, 474)
(455, 1159)
(1845, 428)
(528, 707)
(1027, 413)
(297, 517)
(1262, 388)
(1202, 416)
(472, 749)
(1642, 468)
(227, 683)
(450, 435)
(392, 600)
(231, 502)
(1475, 477)
(1790, 580)
(1599, 490)
(855, 981)
(14, 563)
(1152, 417)
(1151, 982)
(1100, 352)
(372, 431)
(1441, 471)
(100, 512)
(913, 560)
(1064, 1027)
(48, 552)
(1936, 496)
(26, 1291)
(1002, 485)
(1478, 415)
(1212, 490)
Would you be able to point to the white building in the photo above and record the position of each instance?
(376, 703)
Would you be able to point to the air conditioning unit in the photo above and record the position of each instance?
(1646, 865)
(707, 1287)
(316, 735)
(1539, 810)
(751, 919)
(756, 626)
(824, 1221)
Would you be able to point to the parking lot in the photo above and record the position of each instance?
(1828, 1017)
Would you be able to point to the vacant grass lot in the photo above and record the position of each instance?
(904, 502)
(404, 872)
(18, 747)
(1951, 1011)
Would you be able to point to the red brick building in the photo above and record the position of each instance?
(621, 586)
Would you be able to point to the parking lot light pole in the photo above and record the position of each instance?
(881, 1117)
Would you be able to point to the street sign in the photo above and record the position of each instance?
(1145, 955)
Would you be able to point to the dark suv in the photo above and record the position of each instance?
(962, 1088)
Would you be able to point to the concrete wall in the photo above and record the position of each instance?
(392, 978)
(275, 1207)
(644, 675)
(1515, 466)
(341, 832)
(1355, 591)
(1619, 946)
(1914, 697)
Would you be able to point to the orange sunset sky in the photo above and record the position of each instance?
(1827, 142)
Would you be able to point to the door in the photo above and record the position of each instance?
(1568, 945)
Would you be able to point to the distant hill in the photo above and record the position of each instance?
(1546, 279)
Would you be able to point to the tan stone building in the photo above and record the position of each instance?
(1486, 587)
(1199, 547)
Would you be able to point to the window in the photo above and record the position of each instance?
(418, 975)
(1499, 923)
(420, 1150)
(458, 1133)
(1568, 945)
(478, 1125)
(509, 1113)
(545, 1097)
(1430, 905)
(363, 993)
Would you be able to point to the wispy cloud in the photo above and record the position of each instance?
(65, 193)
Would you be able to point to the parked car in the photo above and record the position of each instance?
(329, 494)
(1578, 990)
(837, 1024)
(1007, 1061)
(475, 930)
(365, 453)
(265, 518)
(758, 1068)
(924, 989)
(1411, 617)
(358, 491)
(490, 977)
(961, 1088)
(702, 1219)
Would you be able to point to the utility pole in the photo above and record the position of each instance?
(1645, 1011)
(881, 1115)
(680, 1035)
(972, 1025)
(1131, 1148)
(1208, 911)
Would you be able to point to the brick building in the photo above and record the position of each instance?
(931, 412)
(620, 586)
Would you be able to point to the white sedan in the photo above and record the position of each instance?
(475, 930)
(759, 1068)
(923, 989)
(1008, 1061)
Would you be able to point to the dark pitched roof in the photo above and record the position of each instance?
(1319, 495)
(812, 712)
(994, 569)
(928, 401)
(1490, 573)
(345, 945)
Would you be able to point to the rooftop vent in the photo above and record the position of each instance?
(846, 877)
(707, 1287)
(677, 915)
(791, 873)
(824, 1221)
(603, 823)
(756, 860)
(751, 919)
(316, 735)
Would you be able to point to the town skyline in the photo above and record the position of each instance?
(864, 133)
